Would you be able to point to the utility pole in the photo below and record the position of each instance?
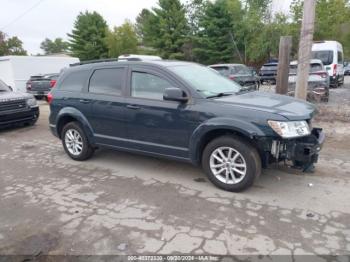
(305, 45)
(283, 65)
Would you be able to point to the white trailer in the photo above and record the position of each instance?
(15, 71)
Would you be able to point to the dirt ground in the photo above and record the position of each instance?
(119, 203)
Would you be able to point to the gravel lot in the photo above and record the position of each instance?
(119, 203)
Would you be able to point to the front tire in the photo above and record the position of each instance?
(231, 163)
(75, 142)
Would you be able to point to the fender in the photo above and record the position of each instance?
(241, 126)
(75, 113)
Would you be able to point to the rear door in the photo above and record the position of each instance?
(106, 94)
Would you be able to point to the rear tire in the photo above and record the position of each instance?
(75, 142)
(241, 166)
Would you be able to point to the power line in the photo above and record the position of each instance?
(22, 15)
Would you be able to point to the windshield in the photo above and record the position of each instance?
(314, 67)
(4, 87)
(204, 80)
(325, 56)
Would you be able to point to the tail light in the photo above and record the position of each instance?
(49, 98)
(29, 85)
(335, 70)
(53, 83)
(232, 77)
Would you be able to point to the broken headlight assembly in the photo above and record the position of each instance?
(290, 129)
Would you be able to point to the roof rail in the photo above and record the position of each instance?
(95, 61)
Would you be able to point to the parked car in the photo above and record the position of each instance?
(268, 73)
(347, 68)
(331, 54)
(40, 85)
(182, 111)
(16, 107)
(318, 82)
(239, 73)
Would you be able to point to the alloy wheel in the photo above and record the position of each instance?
(228, 165)
(74, 142)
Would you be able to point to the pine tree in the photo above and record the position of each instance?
(215, 41)
(87, 40)
(165, 28)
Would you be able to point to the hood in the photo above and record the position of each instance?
(288, 107)
(8, 96)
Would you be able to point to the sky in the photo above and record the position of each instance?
(34, 20)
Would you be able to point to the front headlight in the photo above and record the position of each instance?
(290, 129)
(31, 102)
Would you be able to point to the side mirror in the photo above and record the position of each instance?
(175, 94)
(10, 88)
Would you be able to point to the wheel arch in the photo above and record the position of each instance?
(208, 132)
(70, 114)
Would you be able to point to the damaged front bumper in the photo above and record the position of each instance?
(302, 152)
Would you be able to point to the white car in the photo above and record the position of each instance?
(139, 58)
(318, 82)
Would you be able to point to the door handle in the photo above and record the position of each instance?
(134, 107)
(84, 101)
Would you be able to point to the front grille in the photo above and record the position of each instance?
(13, 105)
(16, 117)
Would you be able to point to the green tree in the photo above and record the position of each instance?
(11, 46)
(57, 45)
(331, 23)
(216, 40)
(143, 26)
(165, 28)
(88, 38)
(122, 40)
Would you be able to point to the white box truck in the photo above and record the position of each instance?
(15, 71)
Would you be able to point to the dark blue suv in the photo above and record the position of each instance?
(182, 111)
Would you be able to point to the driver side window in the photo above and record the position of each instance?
(149, 86)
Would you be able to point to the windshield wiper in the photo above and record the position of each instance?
(221, 94)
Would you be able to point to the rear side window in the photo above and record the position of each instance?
(107, 81)
(75, 81)
(315, 67)
(241, 70)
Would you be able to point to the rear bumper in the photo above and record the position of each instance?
(38, 93)
(317, 91)
(267, 77)
(12, 118)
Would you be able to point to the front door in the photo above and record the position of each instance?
(155, 125)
